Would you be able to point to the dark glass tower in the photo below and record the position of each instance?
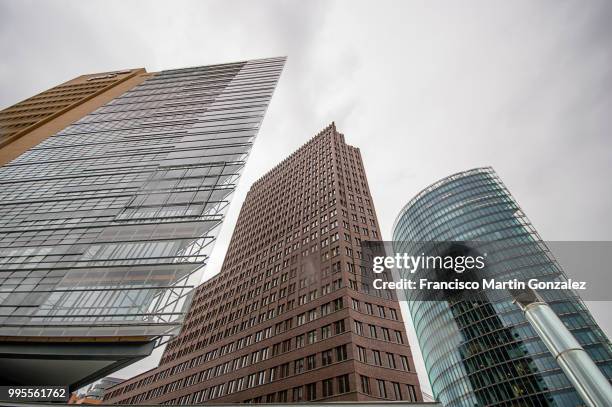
(106, 224)
(484, 353)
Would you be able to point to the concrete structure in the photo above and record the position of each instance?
(289, 318)
(482, 351)
(113, 189)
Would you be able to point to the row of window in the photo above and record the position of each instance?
(287, 345)
(283, 326)
(373, 330)
(296, 367)
(279, 327)
(373, 356)
(278, 348)
(329, 387)
(381, 310)
(388, 390)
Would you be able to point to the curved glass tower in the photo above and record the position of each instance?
(484, 353)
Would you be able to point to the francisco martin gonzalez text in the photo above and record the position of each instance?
(457, 264)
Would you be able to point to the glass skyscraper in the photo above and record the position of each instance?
(105, 225)
(484, 353)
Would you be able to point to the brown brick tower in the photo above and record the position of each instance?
(288, 318)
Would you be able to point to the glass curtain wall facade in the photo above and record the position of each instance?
(21, 119)
(484, 353)
(105, 225)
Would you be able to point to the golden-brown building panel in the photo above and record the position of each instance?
(29, 122)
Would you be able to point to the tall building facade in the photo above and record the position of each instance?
(106, 224)
(485, 353)
(288, 318)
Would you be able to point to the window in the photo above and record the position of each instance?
(326, 357)
(341, 353)
(339, 327)
(369, 308)
(398, 337)
(311, 362)
(328, 388)
(381, 311)
(272, 373)
(377, 360)
(311, 391)
(284, 370)
(325, 309)
(391, 360)
(365, 385)
(301, 319)
(397, 391)
(254, 357)
(386, 335)
(411, 393)
(312, 337)
(299, 341)
(298, 366)
(373, 333)
(298, 394)
(405, 365)
(393, 313)
(343, 383)
(325, 331)
(358, 328)
(361, 354)
(382, 389)
(282, 396)
(355, 304)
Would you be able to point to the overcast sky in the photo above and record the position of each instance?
(424, 89)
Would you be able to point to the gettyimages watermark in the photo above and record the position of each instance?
(471, 270)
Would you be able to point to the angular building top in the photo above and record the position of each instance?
(289, 317)
(105, 224)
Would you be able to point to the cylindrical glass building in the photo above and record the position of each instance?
(484, 353)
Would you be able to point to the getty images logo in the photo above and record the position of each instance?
(457, 258)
